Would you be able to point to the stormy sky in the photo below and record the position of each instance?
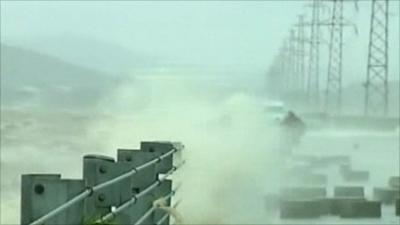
(232, 35)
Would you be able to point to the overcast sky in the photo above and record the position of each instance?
(240, 34)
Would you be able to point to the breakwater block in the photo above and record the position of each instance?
(386, 195)
(394, 182)
(348, 191)
(298, 209)
(361, 209)
(334, 206)
(349, 174)
(314, 179)
(331, 160)
(298, 193)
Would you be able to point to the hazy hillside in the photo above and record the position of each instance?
(30, 78)
(100, 55)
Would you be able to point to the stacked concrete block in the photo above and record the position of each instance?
(42, 194)
(397, 207)
(394, 182)
(330, 161)
(291, 209)
(349, 174)
(386, 195)
(334, 206)
(298, 193)
(348, 191)
(361, 209)
(302, 202)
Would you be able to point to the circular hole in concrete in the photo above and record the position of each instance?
(151, 149)
(39, 189)
(101, 197)
(135, 190)
(128, 158)
(102, 169)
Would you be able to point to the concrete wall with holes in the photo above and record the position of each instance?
(41, 193)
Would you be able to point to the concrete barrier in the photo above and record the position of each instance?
(314, 179)
(394, 182)
(349, 174)
(330, 160)
(397, 205)
(349, 191)
(296, 209)
(361, 209)
(386, 195)
(333, 206)
(301, 193)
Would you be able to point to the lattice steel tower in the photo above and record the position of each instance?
(333, 93)
(376, 85)
(313, 64)
(301, 53)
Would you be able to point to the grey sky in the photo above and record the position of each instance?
(240, 34)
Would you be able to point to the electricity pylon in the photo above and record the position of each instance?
(333, 92)
(376, 85)
(313, 89)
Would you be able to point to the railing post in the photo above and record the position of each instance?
(130, 159)
(42, 193)
(98, 169)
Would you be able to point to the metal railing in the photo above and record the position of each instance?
(89, 191)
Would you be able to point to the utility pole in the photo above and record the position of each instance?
(333, 93)
(313, 64)
(376, 85)
(292, 59)
(301, 53)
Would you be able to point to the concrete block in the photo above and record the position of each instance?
(314, 179)
(160, 148)
(330, 160)
(356, 175)
(296, 209)
(296, 193)
(397, 205)
(386, 195)
(42, 193)
(164, 189)
(333, 206)
(349, 174)
(361, 209)
(349, 191)
(394, 182)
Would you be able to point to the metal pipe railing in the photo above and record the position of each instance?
(90, 190)
(135, 198)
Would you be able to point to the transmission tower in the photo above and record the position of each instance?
(301, 53)
(313, 64)
(292, 59)
(333, 94)
(376, 85)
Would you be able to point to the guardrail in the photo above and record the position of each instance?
(110, 192)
